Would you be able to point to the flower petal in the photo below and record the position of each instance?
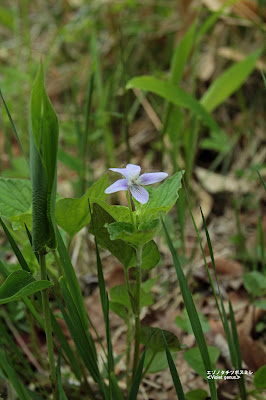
(133, 171)
(152, 177)
(122, 171)
(121, 184)
(139, 193)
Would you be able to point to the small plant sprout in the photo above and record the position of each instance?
(134, 182)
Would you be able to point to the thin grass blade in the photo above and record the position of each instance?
(173, 370)
(14, 129)
(9, 370)
(241, 381)
(15, 248)
(137, 378)
(192, 313)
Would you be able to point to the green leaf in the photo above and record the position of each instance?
(194, 359)
(197, 394)
(184, 323)
(120, 295)
(119, 310)
(260, 378)
(162, 198)
(20, 284)
(15, 197)
(175, 95)
(159, 361)
(229, 82)
(44, 129)
(121, 250)
(73, 214)
(255, 283)
(260, 304)
(127, 232)
(156, 342)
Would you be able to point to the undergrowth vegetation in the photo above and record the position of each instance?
(110, 288)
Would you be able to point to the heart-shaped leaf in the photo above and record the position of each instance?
(156, 343)
(20, 284)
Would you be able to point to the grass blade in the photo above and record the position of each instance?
(173, 370)
(261, 178)
(241, 381)
(15, 248)
(14, 128)
(62, 395)
(137, 378)
(9, 370)
(71, 279)
(192, 313)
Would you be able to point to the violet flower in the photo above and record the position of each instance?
(134, 182)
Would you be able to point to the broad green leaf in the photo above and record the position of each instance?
(118, 213)
(43, 126)
(156, 342)
(229, 82)
(20, 284)
(175, 95)
(260, 378)
(197, 394)
(119, 310)
(135, 237)
(120, 295)
(162, 198)
(194, 359)
(260, 304)
(255, 283)
(15, 197)
(159, 362)
(73, 214)
(121, 250)
(184, 323)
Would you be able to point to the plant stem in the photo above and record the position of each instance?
(48, 328)
(137, 309)
(130, 207)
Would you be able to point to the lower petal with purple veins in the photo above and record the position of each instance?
(139, 193)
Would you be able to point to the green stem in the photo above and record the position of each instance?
(48, 328)
(137, 309)
(130, 208)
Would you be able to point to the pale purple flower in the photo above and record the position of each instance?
(134, 182)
